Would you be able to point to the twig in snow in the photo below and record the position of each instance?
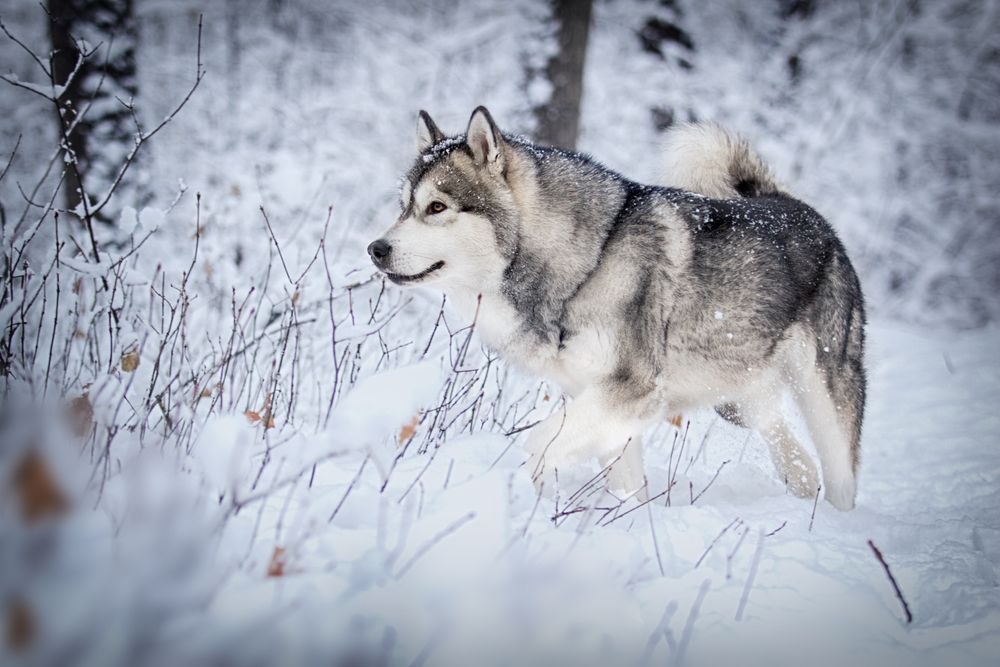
(447, 477)
(710, 482)
(732, 554)
(672, 468)
(812, 516)
(775, 531)
(420, 474)
(347, 492)
(656, 545)
(434, 540)
(701, 447)
(662, 628)
(525, 427)
(717, 538)
(281, 255)
(689, 625)
(892, 580)
(600, 476)
(538, 499)
(750, 577)
(639, 506)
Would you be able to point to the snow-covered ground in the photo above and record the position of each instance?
(511, 586)
(457, 561)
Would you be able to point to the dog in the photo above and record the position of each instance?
(716, 289)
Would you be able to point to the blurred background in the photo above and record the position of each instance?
(884, 115)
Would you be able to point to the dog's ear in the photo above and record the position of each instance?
(485, 140)
(428, 133)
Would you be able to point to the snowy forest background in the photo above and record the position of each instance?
(227, 440)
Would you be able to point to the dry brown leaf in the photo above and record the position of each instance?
(20, 626)
(81, 415)
(130, 360)
(409, 429)
(37, 490)
(268, 415)
(677, 420)
(545, 397)
(276, 568)
(254, 417)
(207, 391)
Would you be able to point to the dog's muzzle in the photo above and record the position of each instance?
(381, 250)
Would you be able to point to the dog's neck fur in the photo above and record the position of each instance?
(522, 312)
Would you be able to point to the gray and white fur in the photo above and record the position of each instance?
(643, 301)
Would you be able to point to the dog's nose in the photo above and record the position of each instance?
(379, 250)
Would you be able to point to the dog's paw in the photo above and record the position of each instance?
(802, 478)
(544, 470)
(841, 494)
(627, 481)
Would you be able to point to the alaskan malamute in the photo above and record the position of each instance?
(643, 301)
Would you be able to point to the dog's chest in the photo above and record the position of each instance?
(573, 363)
(583, 359)
(494, 319)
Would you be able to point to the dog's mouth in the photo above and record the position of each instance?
(400, 279)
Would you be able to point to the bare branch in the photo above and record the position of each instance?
(31, 53)
(10, 160)
(434, 540)
(750, 577)
(892, 580)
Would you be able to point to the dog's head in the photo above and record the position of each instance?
(459, 220)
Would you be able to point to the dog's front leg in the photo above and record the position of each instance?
(627, 473)
(593, 424)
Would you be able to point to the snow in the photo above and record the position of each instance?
(360, 437)
(45, 90)
(469, 564)
(81, 266)
(151, 218)
(224, 451)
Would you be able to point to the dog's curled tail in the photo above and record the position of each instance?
(707, 159)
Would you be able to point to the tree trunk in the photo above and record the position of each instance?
(106, 81)
(559, 118)
(233, 14)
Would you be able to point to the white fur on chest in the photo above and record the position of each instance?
(583, 359)
(496, 321)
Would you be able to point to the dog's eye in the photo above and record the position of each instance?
(435, 207)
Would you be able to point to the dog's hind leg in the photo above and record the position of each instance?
(827, 373)
(827, 421)
(762, 412)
